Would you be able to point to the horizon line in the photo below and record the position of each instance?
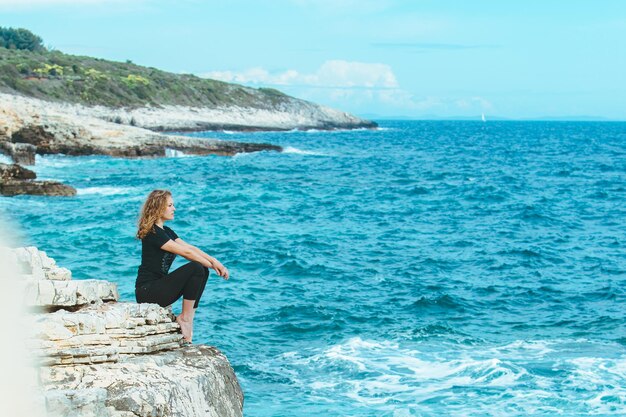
(494, 119)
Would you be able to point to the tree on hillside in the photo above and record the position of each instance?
(20, 39)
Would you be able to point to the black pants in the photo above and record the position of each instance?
(187, 281)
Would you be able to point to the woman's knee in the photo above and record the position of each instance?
(197, 268)
(201, 270)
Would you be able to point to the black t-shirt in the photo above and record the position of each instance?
(155, 262)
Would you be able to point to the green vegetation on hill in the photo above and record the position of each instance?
(52, 75)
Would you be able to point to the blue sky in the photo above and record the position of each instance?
(413, 58)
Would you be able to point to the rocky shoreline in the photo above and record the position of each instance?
(96, 356)
(294, 115)
(30, 126)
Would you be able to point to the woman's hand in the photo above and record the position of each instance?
(220, 269)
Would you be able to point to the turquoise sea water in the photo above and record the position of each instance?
(423, 269)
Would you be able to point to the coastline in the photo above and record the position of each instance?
(30, 126)
(78, 130)
(297, 114)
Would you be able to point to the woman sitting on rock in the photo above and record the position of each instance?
(159, 247)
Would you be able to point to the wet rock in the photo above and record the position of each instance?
(33, 135)
(17, 180)
(20, 187)
(15, 172)
(21, 153)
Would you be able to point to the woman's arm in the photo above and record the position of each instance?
(217, 265)
(186, 252)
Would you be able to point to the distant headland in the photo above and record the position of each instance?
(54, 103)
(129, 94)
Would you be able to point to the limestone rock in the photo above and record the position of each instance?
(102, 358)
(15, 172)
(56, 293)
(38, 265)
(51, 188)
(21, 153)
(173, 383)
(15, 180)
(52, 128)
(103, 332)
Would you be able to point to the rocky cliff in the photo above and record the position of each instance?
(52, 102)
(31, 126)
(97, 356)
(146, 97)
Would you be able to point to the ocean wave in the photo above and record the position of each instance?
(103, 191)
(62, 161)
(530, 377)
(242, 155)
(441, 302)
(377, 241)
(175, 153)
(292, 150)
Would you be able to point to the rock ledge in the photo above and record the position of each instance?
(100, 357)
(30, 126)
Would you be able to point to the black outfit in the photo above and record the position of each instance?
(154, 284)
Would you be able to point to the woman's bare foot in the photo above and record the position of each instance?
(186, 327)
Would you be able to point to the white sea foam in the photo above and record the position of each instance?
(4, 159)
(382, 374)
(342, 130)
(292, 150)
(53, 161)
(175, 153)
(61, 161)
(102, 191)
(243, 155)
(524, 349)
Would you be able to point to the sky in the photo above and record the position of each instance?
(525, 59)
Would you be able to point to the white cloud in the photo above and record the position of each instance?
(357, 87)
(356, 74)
(333, 74)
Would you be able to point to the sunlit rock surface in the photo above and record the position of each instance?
(30, 126)
(99, 357)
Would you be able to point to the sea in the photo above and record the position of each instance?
(424, 268)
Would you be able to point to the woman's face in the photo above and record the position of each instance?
(168, 214)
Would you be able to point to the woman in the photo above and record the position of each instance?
(159, 247)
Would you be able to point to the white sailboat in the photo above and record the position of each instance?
(483, 117)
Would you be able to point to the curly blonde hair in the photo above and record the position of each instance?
(151, 211)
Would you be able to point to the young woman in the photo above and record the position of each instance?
(159, 247)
